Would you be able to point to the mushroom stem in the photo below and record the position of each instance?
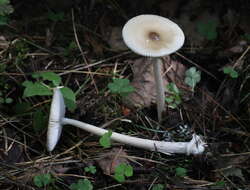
(195, 146)
(57, 120)
(160, 91)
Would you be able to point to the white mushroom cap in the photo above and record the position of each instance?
(57, 112)
(152, 35)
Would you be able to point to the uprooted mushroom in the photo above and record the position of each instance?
(57, 119)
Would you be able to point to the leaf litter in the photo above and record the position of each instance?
(144, 81)
(109, 161)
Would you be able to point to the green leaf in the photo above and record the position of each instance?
(128, 171)
(72, 45)
(119, 177)
(39, 120)
(91, 169)
(120, 86)
(3, 20)
(181, 172)
(174, 99)
(42, 180)
(8, 100)
(82, 184)
(208, 29)
(105, 140)
(172, 88)
(120, 168)
(50, 76)
(69, 97)
(192, 77)
(35, 89)
(220, 184)
(123, 170)
(1, 100)
(247, 37)
(4, 2)
(169, 99)
(177, 100)
(173, 105)
(56, 16)
(22, 107)
(231, 72)
(3, 66)
(158, 187)
(5, 7)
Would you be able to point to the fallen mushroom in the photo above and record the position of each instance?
(154, 36)
(57, 120)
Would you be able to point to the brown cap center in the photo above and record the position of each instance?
(154, 36)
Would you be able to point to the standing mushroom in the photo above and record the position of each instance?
(57, 120)
(154, 36)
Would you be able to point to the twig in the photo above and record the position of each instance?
(195, 64)
(80, 48)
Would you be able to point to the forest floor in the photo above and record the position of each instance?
(78, 45)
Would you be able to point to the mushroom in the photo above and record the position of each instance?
(57, 120)
(154, 36)
(57, 113)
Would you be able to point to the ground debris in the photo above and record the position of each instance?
(110, 160)
(144, 81)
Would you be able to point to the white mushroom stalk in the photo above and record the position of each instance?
(154, 36)
(57, 120)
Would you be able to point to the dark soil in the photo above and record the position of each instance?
(219, 108)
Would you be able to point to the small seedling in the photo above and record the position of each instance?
(120, 86)
(35, 89)
(208, 29)
(43, 180)
(192, 77)
(105, 140)
(174, 99)
(247, 37)
(231, 72)
(5, 9)
(181, 172)
(220, 184)
(4, 93)
(49, 76)
(90, 169)
(68, 50)
(43, 85)
(55, 17)
(158, 187)
(5, 100)
(123, 170)
(39, 120)
(3, 20)
(82, 184)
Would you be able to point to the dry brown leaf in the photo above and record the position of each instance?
(239, 48)
(110, 160)
(4, 44)
(144, 82)
(114, 39)
(96, 45)
(41, 168)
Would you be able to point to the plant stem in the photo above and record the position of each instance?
(160, 91)
(159, 146)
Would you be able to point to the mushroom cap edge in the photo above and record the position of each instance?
(57, 113)
(137, 31)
